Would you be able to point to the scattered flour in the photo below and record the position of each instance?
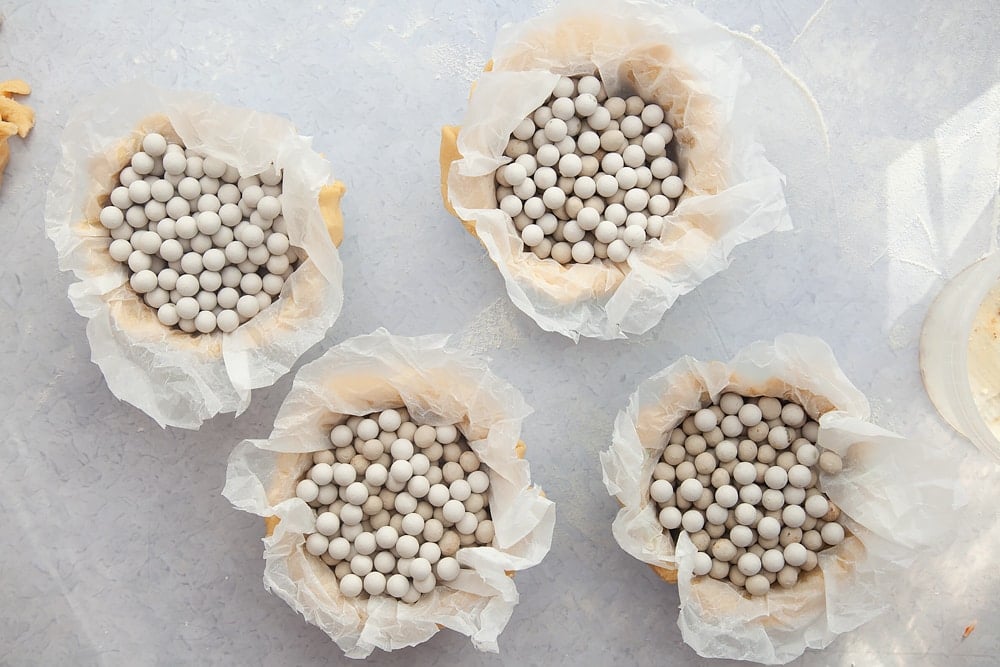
(493, 328)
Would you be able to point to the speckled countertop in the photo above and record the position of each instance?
(116, 547)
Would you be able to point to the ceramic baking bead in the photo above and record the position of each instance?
(749, 564)
(670, 518)
(746, 514)
(397, 585)
(705, 420)
(453, 510)
(438, 495)
(768, 528)
(361, 565)
(351, 586)
(830, 462)
(793, 415)
(812, 540)
(772, 560)
(401, 471)
(807, 455)
(793, 516)
(384, 562)
(832, 533)
(356, 493)
(339, 548)
(727, 496)
(142, 163)
(634, 237)
(420, 568)
(661, 491)
(772, 499)
(167, 314)
(778, 437)
(816, 506)
(788, 576)
(405, 504)
(751, 494)
(690, 489)
(321, 473)
(307, 490)
(143, 281)
(766, 454)
(672, 187)
(413, 524)
(327, 523)
(793, 495)
(705, 463)
(744, 472)
(795, 554)
(367, 429)
(810, 431)
(716, 514)
(467, 524)
(741, 536)
(776, 477)
(758, 585)
(269, 207)
(447, 569)
(799, 476)
(341, 436)
(720, 477)
(418, 486)
(731, 426)
(692, 521)
(770, 407)
(112, 217)
(750, 415)
(344, 474)
(364, 543)
(402, 449)
(702, 564)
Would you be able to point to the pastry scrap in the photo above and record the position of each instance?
(15, 117)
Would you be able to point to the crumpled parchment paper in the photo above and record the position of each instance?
(896, 495)
(670, 55)
(177, 378)
(438, 386)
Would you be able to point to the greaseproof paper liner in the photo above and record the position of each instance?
(896, 496)
(438, 386)
(671, 55)
(177, 378)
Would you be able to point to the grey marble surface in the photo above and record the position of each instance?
(115, 545)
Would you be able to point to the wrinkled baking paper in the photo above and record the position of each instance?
(177, 378)
(438, 386)
(896, 496)
(670, 55)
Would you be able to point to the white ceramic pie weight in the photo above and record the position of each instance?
(960, 353)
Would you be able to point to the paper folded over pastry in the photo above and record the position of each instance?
(672, 56)
(177, 378)
(438, 386)
(896, 496)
